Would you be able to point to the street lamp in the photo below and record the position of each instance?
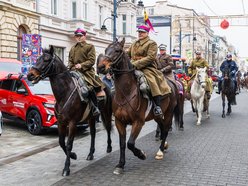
(116, 4)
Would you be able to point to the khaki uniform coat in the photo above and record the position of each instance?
(200, 63)
(143, 57)
(85, 54)
(165, 65)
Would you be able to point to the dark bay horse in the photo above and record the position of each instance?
(228, 91)
(130, 107)
(69, 108)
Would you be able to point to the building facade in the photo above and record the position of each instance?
(17, 17)
(59, 20)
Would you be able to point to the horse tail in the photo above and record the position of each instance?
(106, 114)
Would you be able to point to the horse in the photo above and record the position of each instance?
(238, 77)
(179, 109)
(69, 109)
(198, 94)
(228, 91)
(130, 107)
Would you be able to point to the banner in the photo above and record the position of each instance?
(31, 50)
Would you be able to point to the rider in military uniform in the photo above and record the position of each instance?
(143, 57)
(200, 63)
(82, 57)
(233, 68)
(165, 63)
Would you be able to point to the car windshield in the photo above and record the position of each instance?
(10, 67)
(43, 87)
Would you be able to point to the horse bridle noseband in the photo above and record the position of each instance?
(44, 73)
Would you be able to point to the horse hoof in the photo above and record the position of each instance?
(157, 138)
(66, 173)
(109, 149)
(223, 116)
(166, 145)
(73, 155)
(181, 128)
(118, 171)
(142, 156)
(90, 157)
(159, 155)
(198, 123)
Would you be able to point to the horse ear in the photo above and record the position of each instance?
(123, 42)
(51, 49)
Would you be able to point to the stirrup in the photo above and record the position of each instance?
(157, 111)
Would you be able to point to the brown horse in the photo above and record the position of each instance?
(69, 108)
(130, 107)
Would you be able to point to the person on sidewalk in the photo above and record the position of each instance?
(199, 62)
(233, 68)
(82, 57)
(143, 54)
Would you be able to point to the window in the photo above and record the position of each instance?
(6, 84)
(74, 9)
(19, 85)
(124, 24)
(85, 10)
(100, 16)
(54, 7)
(59, 51)
(21, 31)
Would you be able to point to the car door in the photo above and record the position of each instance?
(5, 92)
(19, 99)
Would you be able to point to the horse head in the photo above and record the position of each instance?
(114, 53)
(226, 73)
(45, 66)
(201, 75)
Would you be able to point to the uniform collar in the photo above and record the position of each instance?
(142, 41)
(81, 43)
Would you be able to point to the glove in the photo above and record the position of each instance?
(190, 75)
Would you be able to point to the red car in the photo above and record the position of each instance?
(34, 104)
(9, 66)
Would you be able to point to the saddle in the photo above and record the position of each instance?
(81, 85)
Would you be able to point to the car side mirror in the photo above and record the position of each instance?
(22, 91)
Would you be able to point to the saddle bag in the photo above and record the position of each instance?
(143, 84)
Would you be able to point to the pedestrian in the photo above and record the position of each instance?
(198, 62)
(107, 79)
(143, 54)
(82, 58)
(233, 68)
(165, 63)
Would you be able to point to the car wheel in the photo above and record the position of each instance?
(34, 122)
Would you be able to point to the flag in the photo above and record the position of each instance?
(147, 21)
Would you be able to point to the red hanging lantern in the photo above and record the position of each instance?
(224, 24)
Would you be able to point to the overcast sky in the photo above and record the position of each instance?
(236, 35)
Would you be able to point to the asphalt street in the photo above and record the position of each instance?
(214, 153)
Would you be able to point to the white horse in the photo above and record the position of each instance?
(1, 123)
(198, 93)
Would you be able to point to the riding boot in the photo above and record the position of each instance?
(219, 87)
(157, 109)
(92, 96)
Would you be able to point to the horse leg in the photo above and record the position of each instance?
(181, 112)
(92, 124)
(157, 136)
(122, 138)
(106, 119)
(69, 145)
(229, 109)
(165, 125)
(136, 128)
(199, 110)
(223, 106)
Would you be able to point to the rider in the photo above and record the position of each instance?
(82, 57)
(233, 68)
(165, 63)
(200, 63)
(143, 57)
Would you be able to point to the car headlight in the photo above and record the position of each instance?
(49, 105)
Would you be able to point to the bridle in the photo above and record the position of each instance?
(199, 81)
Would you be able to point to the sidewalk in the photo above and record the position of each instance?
(45, 168)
